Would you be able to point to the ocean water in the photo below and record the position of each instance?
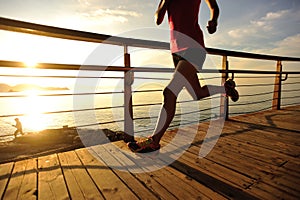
(106, 110)
(46, 112)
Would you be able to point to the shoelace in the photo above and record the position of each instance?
(145, 142)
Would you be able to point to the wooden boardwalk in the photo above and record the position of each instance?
(256, 157)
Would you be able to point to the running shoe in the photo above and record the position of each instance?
(143, 146)
(230, 90)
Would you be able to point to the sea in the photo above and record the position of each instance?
(104, 109)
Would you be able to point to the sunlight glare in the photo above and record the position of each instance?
(30, 63)
(34, 119)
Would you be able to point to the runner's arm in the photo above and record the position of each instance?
(214, 10)
(161, 11)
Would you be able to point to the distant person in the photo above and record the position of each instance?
(19, 127)
(188, 51)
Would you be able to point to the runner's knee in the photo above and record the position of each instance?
(168, 94)
(202, 93)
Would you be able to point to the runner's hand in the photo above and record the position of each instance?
(212, 26)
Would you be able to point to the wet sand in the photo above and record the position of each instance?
(52, 141)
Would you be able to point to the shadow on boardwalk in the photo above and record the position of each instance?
(256, 157)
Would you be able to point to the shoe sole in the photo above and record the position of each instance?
(233, 93)
(134, 148)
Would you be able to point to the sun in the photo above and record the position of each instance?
(30, 63)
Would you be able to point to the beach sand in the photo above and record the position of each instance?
(50, 141)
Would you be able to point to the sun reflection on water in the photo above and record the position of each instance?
(34, 107)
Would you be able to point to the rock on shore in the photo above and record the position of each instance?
(51, 141)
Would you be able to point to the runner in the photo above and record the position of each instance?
(19, 127)
(188, 51)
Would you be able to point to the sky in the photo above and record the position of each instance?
(258, 26)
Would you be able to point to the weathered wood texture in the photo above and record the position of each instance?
(255, 157)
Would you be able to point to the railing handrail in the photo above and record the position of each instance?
(63, 33)
(14, 64)
(240, 54)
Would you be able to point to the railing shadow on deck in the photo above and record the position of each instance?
(128, 119)
(221, 187)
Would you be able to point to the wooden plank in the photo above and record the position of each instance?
(14, 184)
(287, 176)
(236, 127)
(79, 183)
(244, 170)
(5, 173)
(135, 185)
(250, 160)
(266, 191)
(236, 161)
(108, 152)
(244, 134)
(281, 119)
(216, 177)
(180, 190)
(221, 154)
(217, 169)
(270, 131)
(106, 180)
(28, 189)
(184, 180)
(252, 150)
(129, 179)
(176, 186)
(274, 155)
(287, 184)
(255, 152)
(51, 184)
(267, 156)
(216, 184)
(111, 155)
(293, 166)
(215, 164)
(284, 183)
(22, 184)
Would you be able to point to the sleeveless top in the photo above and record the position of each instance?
(185, 31)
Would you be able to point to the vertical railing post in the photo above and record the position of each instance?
(277, 87)
(224, 100)
(128, 113)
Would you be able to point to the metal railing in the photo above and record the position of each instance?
(129, 71)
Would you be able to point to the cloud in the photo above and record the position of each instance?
(240, 33)
(275, 32)
(84, 2)
(269, 22)
(106, 16)
(288, 46)
(94, 10)
(266, 25)
(275, 15)
(117, 12)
